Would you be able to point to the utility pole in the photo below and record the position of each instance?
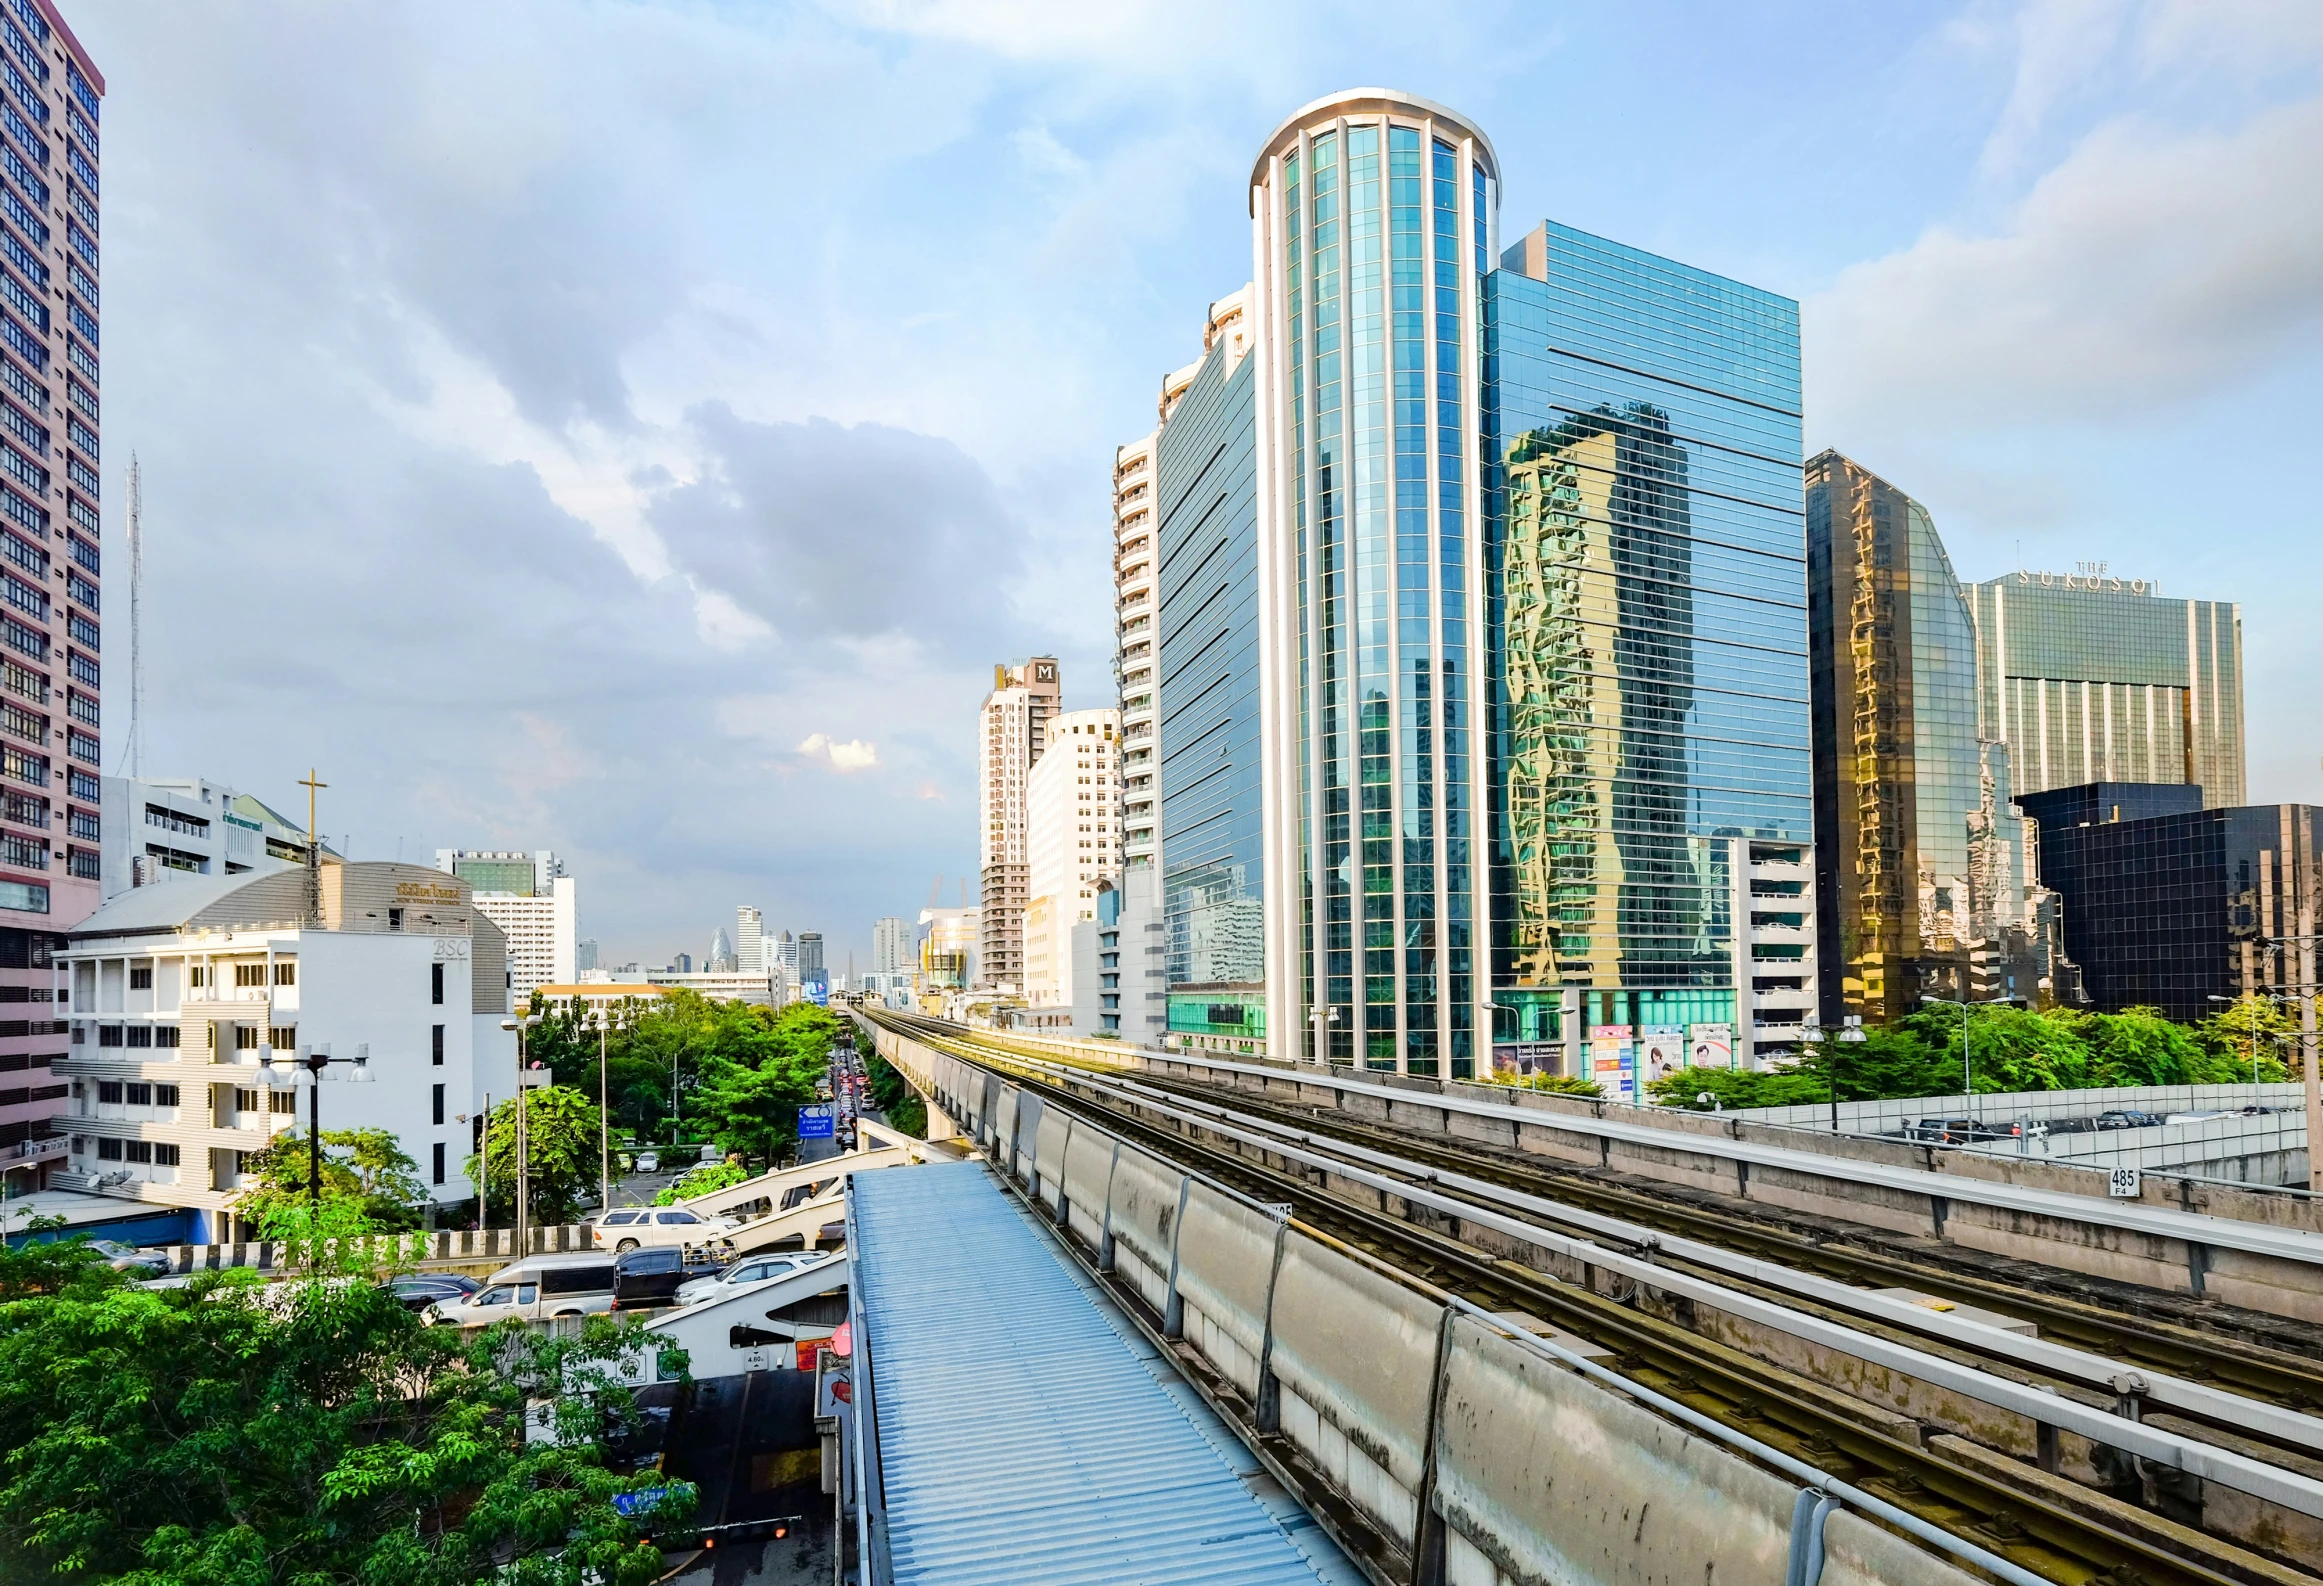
(2305, 836)
(314, 899)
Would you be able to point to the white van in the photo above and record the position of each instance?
(630, 1227)
(542, 1286)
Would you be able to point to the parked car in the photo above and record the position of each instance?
(130, 1259)
(419, 1290)
(649, 1162)
(743, 1273)
(2127, 1118)
(533, 1289)
(629, 1227)
(650, 1279)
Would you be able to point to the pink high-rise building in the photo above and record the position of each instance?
(50, 530)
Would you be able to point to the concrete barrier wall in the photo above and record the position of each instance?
(444, 1245)
(1450, 1436)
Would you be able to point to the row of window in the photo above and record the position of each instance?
(135, 1093)
(140, 1035)
(160, 1153)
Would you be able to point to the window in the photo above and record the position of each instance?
(282, 1101)
(141, 977)
(165, 1095)
(676, 1219)
(139, 1094)
(141, 1035)
(439, 1156)
(109, 1090)
(439, 1108)
(619, 1219)
(138, 1150)
(286, 972)
(438, 1047)
(245, 1100)
(84, 785)
(249, 974)
(435, 982)
(282, 1037)
(395, 922)
(109, 1150)
(165, 1035)
(84, 863)
(245, 1038)
(108, 1035)
(165, 1154)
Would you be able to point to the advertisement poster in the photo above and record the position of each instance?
(1526, 1058)
(1662, 1052)
(1712, 1045)
(1613, 1061)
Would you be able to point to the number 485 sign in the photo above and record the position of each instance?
(2122, 1184)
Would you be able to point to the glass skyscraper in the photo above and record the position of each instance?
(2089, 677)
(1919, 850)
(1206, 554)
(1647, 637)
(1374, 218)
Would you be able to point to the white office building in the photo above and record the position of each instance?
(532, 900)
(750, 940)
(172, 993)
(160, 828)
(891, 945)
(1072, 845)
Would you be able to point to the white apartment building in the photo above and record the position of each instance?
(749, 940)
(1014, 731)
(172, 992)
(533, 901)
(891, 946)
(1072, 845)
(160, 828)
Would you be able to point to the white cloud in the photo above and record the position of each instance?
(2150, 266)
(855, 754)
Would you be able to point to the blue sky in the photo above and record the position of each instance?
(637, 429)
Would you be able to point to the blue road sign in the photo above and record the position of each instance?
(816, 1123)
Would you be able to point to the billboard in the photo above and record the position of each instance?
(1661, 1052)
(1613, 1061)
(1710, 1046)
(816, 988)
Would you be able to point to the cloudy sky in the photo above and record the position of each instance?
(636, 429)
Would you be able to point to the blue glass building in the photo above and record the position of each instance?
(1207, 707)
(1647, 638)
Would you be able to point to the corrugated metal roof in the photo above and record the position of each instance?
(1026, 1432)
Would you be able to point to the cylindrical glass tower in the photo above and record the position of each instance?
(1374, 219)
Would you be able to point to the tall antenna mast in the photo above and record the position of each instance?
(136, 617)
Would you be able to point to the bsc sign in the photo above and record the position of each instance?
(816, 1123)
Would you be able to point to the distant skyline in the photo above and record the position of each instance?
(636, 430)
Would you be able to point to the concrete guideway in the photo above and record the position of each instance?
(1641, 1257)
(2273, 1483)
(1434, 1439)
(2253, 1264)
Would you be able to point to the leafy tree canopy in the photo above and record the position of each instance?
(366, 1168)
(233, 1432)
(561, 1152)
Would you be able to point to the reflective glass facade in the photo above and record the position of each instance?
(2093, 678)
(1207, 709)
(1374, 220)
(1920, 851)
(1647, 624)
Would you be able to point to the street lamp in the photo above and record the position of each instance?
(528, 1079)
(1323, 1019)
(1850, 1033)
(1967, 1077)
(601, 1019)
(282, 1074)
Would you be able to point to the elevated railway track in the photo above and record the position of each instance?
(2110, 1445)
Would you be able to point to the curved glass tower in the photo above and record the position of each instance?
(1373, 224)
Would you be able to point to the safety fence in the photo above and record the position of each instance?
(1469, 1449)
(390, 1250)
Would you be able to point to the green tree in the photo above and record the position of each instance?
(2248, 1026)
(701, 1181)
(366, 1168)
(229, 1433)
(562, 1140)
(1730, 1088)
(897, 1102)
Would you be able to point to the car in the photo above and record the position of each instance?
(2127, 1118)
(419, 1290)
(532, 1290)
(130, 1259)
(650, 1279)
(649, 1162)
(743, 1273)
(633, 1227)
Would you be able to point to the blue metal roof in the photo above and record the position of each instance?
(1026, 1431)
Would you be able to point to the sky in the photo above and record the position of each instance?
(637, 429)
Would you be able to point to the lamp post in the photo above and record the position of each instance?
(528, 1080)
(1850, 1033)
(1323, 1019)
(1967, 1076)
(604, 1126)
(282, 1074)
